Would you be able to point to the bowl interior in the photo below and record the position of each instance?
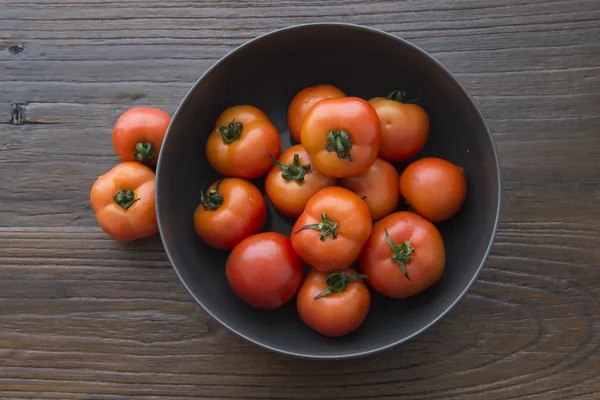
(267, 72)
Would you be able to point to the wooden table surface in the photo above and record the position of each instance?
(85, 317)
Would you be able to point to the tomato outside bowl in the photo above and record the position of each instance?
(267, 72)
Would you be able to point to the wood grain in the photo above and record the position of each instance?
(85, 317)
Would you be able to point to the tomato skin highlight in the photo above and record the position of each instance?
(336, 314)
(435, 188)
(143, 126)
(342, 136)
(303, 101)
(247, 151)
(288, 195)
(138, 219)
(404, 128)
(242, 213)
(264, 271)
(426, 263)
(350, 217)
(378, 186)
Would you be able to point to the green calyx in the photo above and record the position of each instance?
(339, 141)
(231, 132)
(211, 200)
(144, 152)
(400, 96)
(401, 254)
(125, 198)
(327, 228)
(338, 282)
(293, 172)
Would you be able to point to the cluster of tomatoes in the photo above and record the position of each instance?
(123, 198)
(342, 187)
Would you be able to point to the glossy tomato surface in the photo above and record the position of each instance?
(404, 128)
(303, 101)
(404, 255)
(123, 201)
(332, 230)
(242, 142)
(294, 181)
(435, 188)
(231, 210)
(342, 136)
(337, 313)
(138, 134)
(378, 187)
(264, 271)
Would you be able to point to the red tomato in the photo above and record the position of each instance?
(334, 304)
(404, 127)
(404, 255)
(138, 134)
(304, 100)
(123, 201)
(264, 271)
(378, 187)
(332, 230)
(231, 210)
(342, 136)
(435, 188)
(242, 142)
(293, 181)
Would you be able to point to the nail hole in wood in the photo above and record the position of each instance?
(16, 49)
(18, 113)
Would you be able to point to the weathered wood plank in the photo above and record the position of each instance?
(113, 325)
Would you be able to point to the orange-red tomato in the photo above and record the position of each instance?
(231, 210)
(264, 271)
(138, 134)
(435, 188)
(332, 230)
(404, 255)
(342, 136)
(343, 306)
(304, 100)
(404, 127)
(123, 201)
(293, 181)
(378, 187)
(242, 142)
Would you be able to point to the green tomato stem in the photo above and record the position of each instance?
(400, 96)
(144, 152)
(339, 141)
(337, 282)
(295, 171)
(401, 254)
(212, 200)
(125, 198)
(326, 228)
(231, 132)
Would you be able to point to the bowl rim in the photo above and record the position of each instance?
(351, 354)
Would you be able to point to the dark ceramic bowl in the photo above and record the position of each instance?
(267, 72)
